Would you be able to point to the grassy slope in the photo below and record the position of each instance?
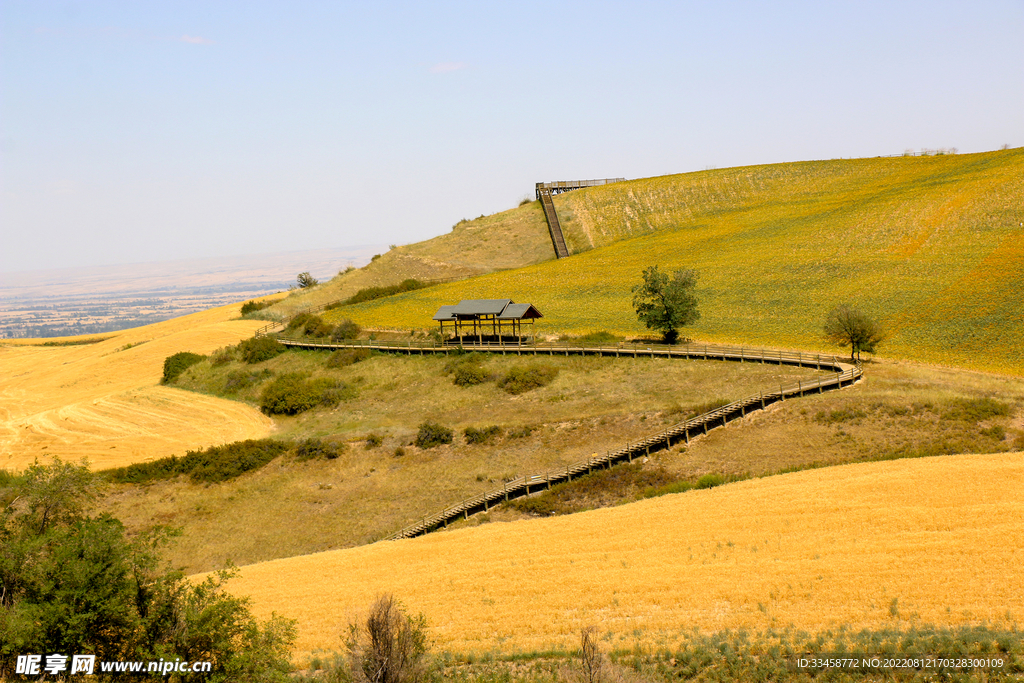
(593, 405)
(868, 545)
(103, 401)
(510, 239)
(932, 245)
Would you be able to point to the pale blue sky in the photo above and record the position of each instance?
(142, 131)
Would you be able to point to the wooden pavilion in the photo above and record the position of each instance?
(486, 320)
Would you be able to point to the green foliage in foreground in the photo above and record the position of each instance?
(179, 363)
(70, 583)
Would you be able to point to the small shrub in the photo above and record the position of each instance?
(222, 357)
(399, 452)
(319, 448)
(373, 441)
(374, 257)
(259, 349)
(522, 378)
(432, 434)
(390, 647)
(345, 330)
(597, 338)
(305, 280)
(292, 394)
(974, 409)
(237, 380)
(482, 436)
(470, 374)
(321, 329)
(520, 432)
(997, 432)
(345, 357)
(179, 363)
(253, 306)
(838, 416)
(710, 481)
(299, 321)
(706, 407)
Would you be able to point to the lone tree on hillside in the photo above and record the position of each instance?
(665, 304)
(848, 325)
(306, 280)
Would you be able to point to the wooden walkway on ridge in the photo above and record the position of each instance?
(842, 374)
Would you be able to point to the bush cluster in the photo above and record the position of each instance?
(311, 449)
(310, 325)
(432, 434)
(346, 330)
(344, 357)
(214, 464)
(237, 380)
(482, 435)
(253, 306)
(470, 374)
(373, 441)
(179, 363)
(522, 378)
(259, 349)
(371, 293)
(294, 393)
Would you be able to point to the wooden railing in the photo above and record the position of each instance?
(841, 374)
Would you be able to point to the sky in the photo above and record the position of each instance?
(148, 131)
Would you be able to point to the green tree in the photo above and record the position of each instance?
(848, 325)
(74, 583)
(306, 280)
(666, 303)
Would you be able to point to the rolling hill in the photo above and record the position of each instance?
(925, 541)
(933, 246)
(103, 401)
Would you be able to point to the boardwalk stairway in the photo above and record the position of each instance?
(841, 374)
(557, 239)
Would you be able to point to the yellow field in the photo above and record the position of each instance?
(933, 246)
(103, 401)
(933, 540)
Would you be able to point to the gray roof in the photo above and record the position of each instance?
(519, 311)
(504, 309)
(481, 306)
(445, 313)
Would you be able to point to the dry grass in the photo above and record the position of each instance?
(510, 239)
(593, 405)
(103, 401)
(933, 540)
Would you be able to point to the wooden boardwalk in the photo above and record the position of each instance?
(557, 239)
(841, 374)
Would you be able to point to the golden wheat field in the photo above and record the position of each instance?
(933, 540)
(103, 401)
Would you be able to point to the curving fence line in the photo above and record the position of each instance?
(842, 374)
